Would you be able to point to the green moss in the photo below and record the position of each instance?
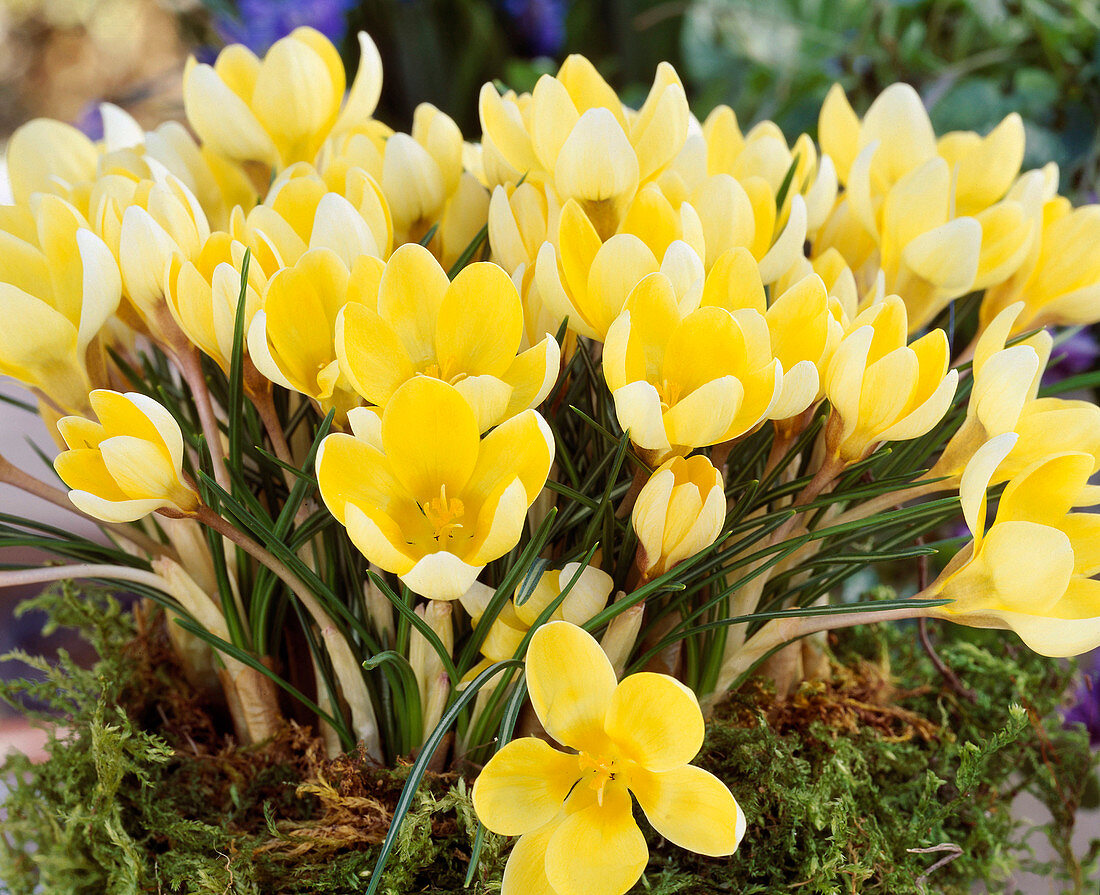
(845, 788)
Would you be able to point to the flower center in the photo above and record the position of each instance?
(602, 771)
(442, 513)
(669, 394)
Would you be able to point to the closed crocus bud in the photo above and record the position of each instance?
(423, 324)
(127, 465)
(1032, 570)
(423, 497)
(302, 212)
(682, 382)
(291, 340)
(203, 295)
(278, 110)
(427, 665)
(881, 388)
(59, 284)
(679, 512)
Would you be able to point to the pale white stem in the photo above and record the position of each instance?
(779, 631)
(73, 571)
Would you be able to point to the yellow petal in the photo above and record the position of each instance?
(838, 129)
(531, 376)
(525, 872)
(1047, 491)
(379, 539)
(975, 481)
(371, 355)
(523, 786)
(487, 396)
(430, 436)
(499, 523)
(598, 850)
(365, 89)
(571, 683)
(522, 446)
(704, 416)
(480, 322)
(655, 720)
(350, 470)
(691, 808)
(409, 297)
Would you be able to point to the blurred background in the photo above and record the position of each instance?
(973, 61)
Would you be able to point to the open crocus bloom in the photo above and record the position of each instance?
(127, 465)
(1032, 570)
(687, 381)
(422, 496)
(572, 810)
(465, 333)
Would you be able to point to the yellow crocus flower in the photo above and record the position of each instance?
(933, 208)
(587, 280)
(882, 389)
(47, 156)
(1032, 570)
(145, 223)
(291, 339)
(1060, 283)
(679, 512)
(279, 110)
(1006, 380)
(423, 497)
(59, 285)
(686, 381)
(589, 595)
(465, 332)
(573, 810)
(520, 220)
(202, 295)
(573, 132)
(301, 212)
(127, 465)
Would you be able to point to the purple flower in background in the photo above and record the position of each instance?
(1086, 707)
(1075, 355)
(90, 121)
(539, 24)
(262, 22)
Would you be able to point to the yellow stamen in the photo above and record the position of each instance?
(442, 513)
(603, 772)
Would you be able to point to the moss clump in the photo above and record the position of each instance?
(866, 783)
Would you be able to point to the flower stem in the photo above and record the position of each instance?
(191, 367)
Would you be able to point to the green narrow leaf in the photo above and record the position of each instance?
(236, 373)
(416, 772)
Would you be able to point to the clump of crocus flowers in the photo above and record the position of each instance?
(597, 410)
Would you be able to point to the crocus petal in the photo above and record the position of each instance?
(439, 576)
(370, 353)
(525, 872)
(480, 322)
(409, 296)
(431, 437)
(655, 720)
(691, 808)
(379, 539)
(638, 408)
(523, 787)
(599, 850)
(571, 683)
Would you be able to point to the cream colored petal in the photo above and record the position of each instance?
(365, 89)
(531, 375)
(222, 119)
(596, 162)
(440, 576)
(975, 480)
(638, 408)
(553, 117)
(499, 523)
(838, 128)
(488, 396)
(925, 416)
(113, 511)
